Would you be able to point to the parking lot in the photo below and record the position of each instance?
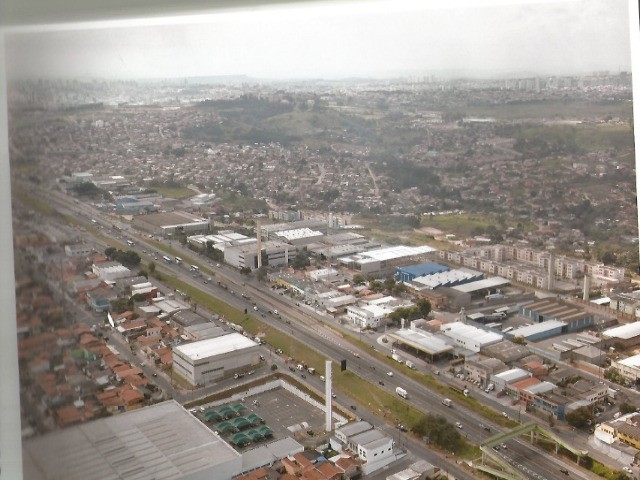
(280, 409)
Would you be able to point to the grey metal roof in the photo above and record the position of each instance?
(355, 428)
(162, 441)
(265, 454)
(492, 282)
(423, 341)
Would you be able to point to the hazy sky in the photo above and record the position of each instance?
(339, 39)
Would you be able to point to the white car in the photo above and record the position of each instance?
(628, 469)
(459, 425)
(390, 374)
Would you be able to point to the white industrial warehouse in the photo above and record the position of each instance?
(469, 337)
(215, 358)
(159, 441)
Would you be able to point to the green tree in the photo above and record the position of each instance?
(612, 374)
(580, 417)
(261, 273)
(87, 189)
(359, 279)
(121, 305)
(398, 289)
(389, 283)
(627, 408)
(130, 258)
(439, 431)
(301, 260)
(138, 297)
(424, 307)
(376, 286)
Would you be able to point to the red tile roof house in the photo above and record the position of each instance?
(71, 414)
(259, 474)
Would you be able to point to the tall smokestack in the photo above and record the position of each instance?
(586, 288)
(328, 424)
(259, 238)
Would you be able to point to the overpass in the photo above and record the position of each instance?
(506, 471)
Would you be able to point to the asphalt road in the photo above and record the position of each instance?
(308, 327)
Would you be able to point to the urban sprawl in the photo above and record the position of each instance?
(417, 278)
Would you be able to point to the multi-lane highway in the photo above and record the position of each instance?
(309, 327)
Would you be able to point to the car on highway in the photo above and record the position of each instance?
(380, 382)
(628, 469)
(565, 471)
(459, 425)
(333, 395)
(390, 374)
(353, 407)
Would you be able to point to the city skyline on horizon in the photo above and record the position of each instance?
(337, 41)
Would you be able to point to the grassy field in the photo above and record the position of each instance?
(178, 193)
(556, 110)
(604, 136)
(33, 203)
(589, 137)
(462, 225)
(236, 202)
(459, 225)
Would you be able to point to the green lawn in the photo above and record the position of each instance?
(171, 192)
(551, 109)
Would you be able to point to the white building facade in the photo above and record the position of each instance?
(215, 358)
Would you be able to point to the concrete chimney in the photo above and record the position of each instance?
(586, 288)
(552, 272)
(328, 388)
(259, 239)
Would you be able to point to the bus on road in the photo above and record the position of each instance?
(195, 268)
(178, 260)
(167, 259)
(130, 243)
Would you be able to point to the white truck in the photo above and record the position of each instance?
(447, 402)
(410, 364)
(397, 358)
(402, 392)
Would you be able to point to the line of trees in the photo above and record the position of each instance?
(421, 309)
(128, 258)
(439, 432)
